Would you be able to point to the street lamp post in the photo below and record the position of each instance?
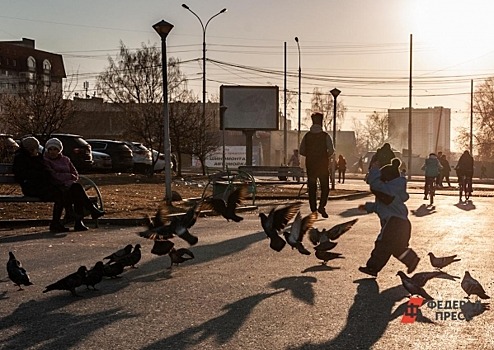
(163, 28)
(335, 92)
(204, 27)
(299, 92)
(222, 116)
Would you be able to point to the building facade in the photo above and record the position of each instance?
(431, 130)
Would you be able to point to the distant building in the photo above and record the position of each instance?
(431, 130)
(22, 65)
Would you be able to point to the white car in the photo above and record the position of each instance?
(101, 161)
(160, 163)
(141, 156)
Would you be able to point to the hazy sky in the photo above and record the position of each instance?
(361, 47)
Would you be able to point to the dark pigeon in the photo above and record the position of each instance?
(421, 278)
(178, 256)
(227, 208)
(327, 256)
(471, 286)
(412, 288)
(439, 263)
(299, 228)
(119, 254)
(17, 273)
(332, 234)
(131, 259)
(70, 282)
(275, 222)
(162, 247)
(113, 270)
(95, 275)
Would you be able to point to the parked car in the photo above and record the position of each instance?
(160, 162)
(8, 146)
(101, 161)
(141, 156)
(121, 155)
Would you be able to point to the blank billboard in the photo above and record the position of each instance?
(250, 107)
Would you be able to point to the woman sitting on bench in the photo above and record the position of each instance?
(36, 180)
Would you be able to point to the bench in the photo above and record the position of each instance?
(224, 182)
(11, 189)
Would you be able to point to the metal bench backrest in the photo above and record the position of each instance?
(6, 174)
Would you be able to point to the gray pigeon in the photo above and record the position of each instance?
(17, 273)
(70, 282)
(471, 286)
(131, 259)
(95, 275)
(275, 222)
(332, 234)
(227, 208)
(178, 256)
(439, 263)
(421, 278)
(413, 288)
(327, 256)
(119, 254)
(299, 228)
(113, 270)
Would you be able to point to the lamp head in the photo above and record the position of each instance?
(185, 7)
(296, 39)
(335, 92)
(223, 11)
(163, 28)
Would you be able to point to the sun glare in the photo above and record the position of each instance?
(452, 33)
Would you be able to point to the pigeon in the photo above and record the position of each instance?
(162, 247)
(70, 282)
(413, 288)
(471, 286)
(299, 228)
(275, 222)
(179, 225)
(326, 256)
(17, 273)
(131, 259)
(227, 208)
(95, 275)
(439, 263)
(421, 278)
(178, 256)
(119, 254)
(113, 270)
(335, 232)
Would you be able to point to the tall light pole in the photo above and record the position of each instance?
(335, 92)
(163, 28)
(222, 121)
(204, 27)
(299, 92)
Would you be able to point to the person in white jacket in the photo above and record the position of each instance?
(391, 194)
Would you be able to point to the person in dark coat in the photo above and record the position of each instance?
(36, 180)
(317, 148)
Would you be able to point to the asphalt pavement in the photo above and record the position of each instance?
(239, 294)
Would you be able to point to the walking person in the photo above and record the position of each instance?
(66, 175)
(446, 170)
(295, 161)
(432, 168)
(36, 180)
(341, 165)
(317, 148)
(395, 233)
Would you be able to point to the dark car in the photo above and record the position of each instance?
(121, 155)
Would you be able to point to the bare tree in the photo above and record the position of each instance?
(373, 133)
(38, 109)
(483, 133)
(324, 103)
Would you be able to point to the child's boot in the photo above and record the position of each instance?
(410, 259)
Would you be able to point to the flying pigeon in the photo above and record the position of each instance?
(119, 254)
(70, 282)
(95, 275)
(471, 286)
(326, 256)
(17, 273)
(439, 263)
(162, 247)
(113, 270)
(179, 225)
(275, 222)
(178, 256)
(227, 208)
(131, 259)
(413, 288)
(299, 228)
(332, 234)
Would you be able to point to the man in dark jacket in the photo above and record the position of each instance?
(36, 180)
(317, 148)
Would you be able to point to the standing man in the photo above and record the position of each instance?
(317, 148)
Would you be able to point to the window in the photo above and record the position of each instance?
(31, 63)
(46, 66)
